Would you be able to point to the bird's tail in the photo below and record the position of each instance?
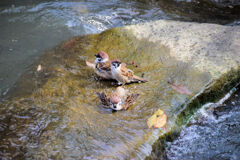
(91, 65)
(139, 79)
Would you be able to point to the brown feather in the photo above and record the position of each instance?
(136, 78)
(126, 72)
(129, 100)
(104, 99)
(104, 66)
(114, 98)
(130, 74)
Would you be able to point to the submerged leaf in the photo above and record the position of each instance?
(180, 89)
(70, 43)
(39, 68)
(158, 120)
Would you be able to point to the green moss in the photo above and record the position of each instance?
(212, 93)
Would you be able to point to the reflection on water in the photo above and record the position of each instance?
(213, 135)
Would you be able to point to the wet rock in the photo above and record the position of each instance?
(217, 45)
(204, 58)
(216, 137)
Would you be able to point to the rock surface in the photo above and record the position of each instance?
(69, 122)
(207, 47)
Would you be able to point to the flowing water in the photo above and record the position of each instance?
(214, 134)
(47, 124)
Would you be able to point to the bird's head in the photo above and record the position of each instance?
(116, 63)
(115, 102)
(101, 57)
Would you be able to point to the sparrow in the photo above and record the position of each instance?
(122, 74)
(118, 100)
(102, 65)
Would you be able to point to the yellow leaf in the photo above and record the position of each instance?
(158, 120)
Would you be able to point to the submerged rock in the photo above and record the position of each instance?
(69, 122)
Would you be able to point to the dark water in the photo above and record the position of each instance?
(205, 11)
(213, 134)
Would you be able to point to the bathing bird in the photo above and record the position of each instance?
(122, 74)
(118, 100)
(102, 65)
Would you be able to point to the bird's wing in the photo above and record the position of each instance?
(104, 66)
(126, 72)
(104, 99)
(122, 93)
(130, 74)
(129, 100)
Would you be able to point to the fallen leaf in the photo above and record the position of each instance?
(69, 44)
(39, 68)
(158, 120)
(180, 88)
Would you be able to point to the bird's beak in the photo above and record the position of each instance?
(95, 55)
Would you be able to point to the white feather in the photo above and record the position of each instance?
(115, 71)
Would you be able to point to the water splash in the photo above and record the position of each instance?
(213, 134)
